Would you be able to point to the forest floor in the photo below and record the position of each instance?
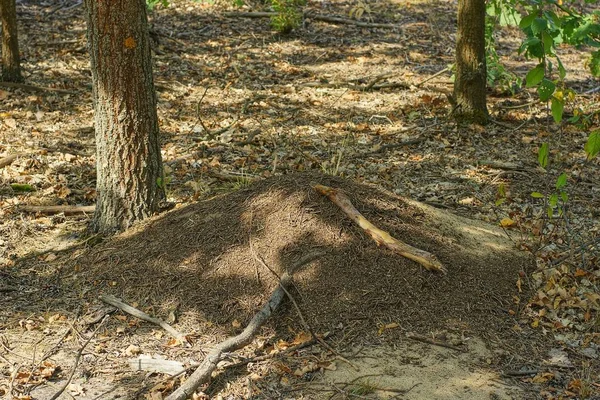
(249, 119)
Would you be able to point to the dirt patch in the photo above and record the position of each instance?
(196, 263)
(421, 372)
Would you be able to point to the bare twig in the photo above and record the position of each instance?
(203, 372)
(113, 301)
(67, 210)
(35, 89)
(301, 316)
(434, 342)
(79, 353)
(432, 77)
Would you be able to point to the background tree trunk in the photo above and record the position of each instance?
(130, 183)
(11, 62)
(470, 82)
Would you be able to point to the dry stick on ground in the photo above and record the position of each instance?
(427, 260)
(79, 353)
(67, 210)
(300, 315)
(203, 372)
(432, 77)
(434, 342)
(113, 301)
(316, 17)
(10, 159)
(35, 89)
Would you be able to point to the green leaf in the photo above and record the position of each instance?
(562, 72)
(539, 25)
(564, 196)
(592, 147)
(595, 63)
(543, 155)
(553, 200)
(528, 20)
(535, 76)
(537, 195)
(546, 89)
(548, 42)
(557, 107)
(561, 181)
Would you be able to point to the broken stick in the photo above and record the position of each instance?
(67, 210)
(113, 301)
(427, 260)
(204, 371)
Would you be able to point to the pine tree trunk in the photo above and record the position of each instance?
(470, 82)
(130, 183)
(11, 63)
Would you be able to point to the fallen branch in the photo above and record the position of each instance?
(316, 17)
(34, 89)
(67, 210)
(113, 301)
(434, 342)
(204, 371)
(427, 260)
(432, 77)
(300, 315)
(10, 159)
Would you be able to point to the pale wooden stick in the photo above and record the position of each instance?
(427, 260)
(113, 301)
(67, 210)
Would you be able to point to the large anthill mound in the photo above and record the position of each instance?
(199, 258)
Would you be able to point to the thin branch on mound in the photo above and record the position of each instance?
(77, 358)
(34, 89)
(300, 315)
(10, 159)
(434, 342)
(113, 301)
(427, 260)
(317, 17)
(203, 372)
(67, 210)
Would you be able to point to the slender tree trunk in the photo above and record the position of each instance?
(130, 183)
(470, 82)
(11, 63)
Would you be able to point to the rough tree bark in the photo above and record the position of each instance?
(11, 63)
(130, 182)
(470, 82)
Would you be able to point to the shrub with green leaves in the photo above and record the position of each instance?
(289, 14)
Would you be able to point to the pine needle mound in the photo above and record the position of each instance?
(201, 260)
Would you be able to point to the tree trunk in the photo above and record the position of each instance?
(470, 82)
(130, 182)
(11, 63)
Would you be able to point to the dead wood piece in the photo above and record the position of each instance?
(113, 301)
(317, 17)
(10, 159)
(204, 371)
(34, 89)
(427, 260)
(434, 342)
(149, 364)
(67, 210)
